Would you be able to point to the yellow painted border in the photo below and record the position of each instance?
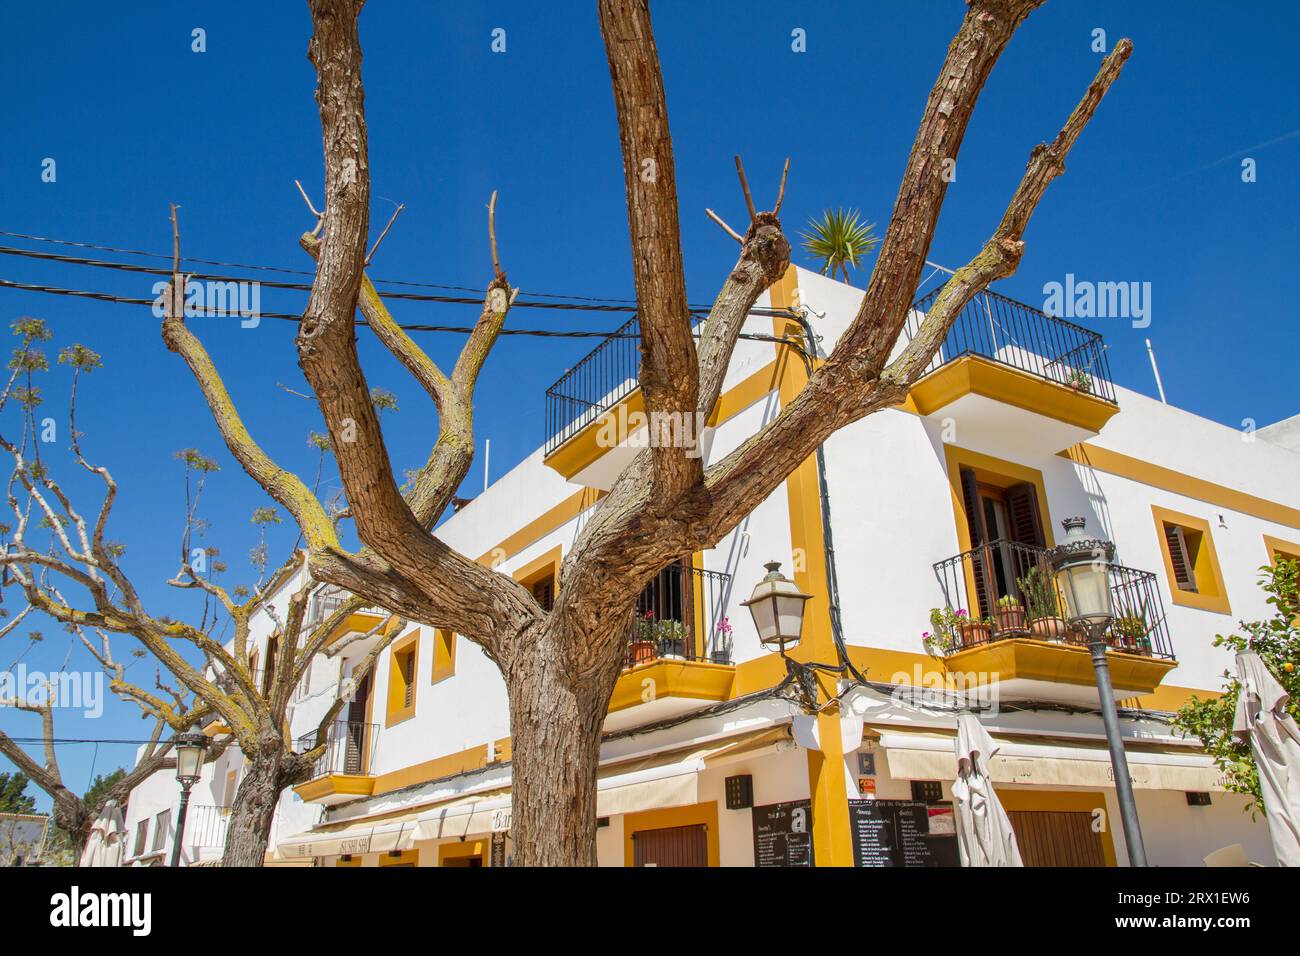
(396, 714)
(463, 851)
(444, 655)
(1289, 549)
(975, 375)
(1063, 801)
(955, 458)
(1216, 602)
(1157, 476)
(404, 858)
(696, 680)
(705, 813)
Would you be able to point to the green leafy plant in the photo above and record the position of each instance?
(839, 240)
(1039, 591)
(1008, 601)
(1079, 380)
(1277, 642)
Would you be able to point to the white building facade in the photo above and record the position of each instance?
(948, 502)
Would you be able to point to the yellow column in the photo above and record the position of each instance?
(832, 844)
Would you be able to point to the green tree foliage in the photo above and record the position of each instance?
(839, 240)
(12, 797)
(1277, 642)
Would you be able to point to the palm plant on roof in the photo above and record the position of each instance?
(839, 239)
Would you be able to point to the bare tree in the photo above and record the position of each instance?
(77, 579)
(560, 666)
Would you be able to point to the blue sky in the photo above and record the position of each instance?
(135, 120)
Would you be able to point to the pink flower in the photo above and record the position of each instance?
(925, 636)
(961, 612)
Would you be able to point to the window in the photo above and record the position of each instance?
(1279, 550)
(141, 835)
(272, 650)
(444, 655)
(401, 679)
(1004, 525)
(161, 824)
(541, 576)
(1191, 564)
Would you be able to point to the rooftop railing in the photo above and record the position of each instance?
(1019, 336)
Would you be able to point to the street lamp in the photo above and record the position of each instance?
(1082, 568)
(190, 749)
(777, 607)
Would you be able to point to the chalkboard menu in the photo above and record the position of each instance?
(498, 854)
(783, 834)
(897, 833)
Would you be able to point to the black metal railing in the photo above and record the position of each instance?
(1006, 589)
(595, 385)
(1020, 336)
(349, 749)
(206, 825)
(679, 616)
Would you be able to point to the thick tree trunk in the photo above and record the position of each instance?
(249, 830)
(557, 707)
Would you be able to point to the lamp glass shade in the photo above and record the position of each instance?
(190, 749)
(1082, 568)
(1086, 586)
(777, 607)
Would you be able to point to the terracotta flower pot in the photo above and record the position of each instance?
(641, 651)
(974, 633)
(1049, 628)
(1011, 618)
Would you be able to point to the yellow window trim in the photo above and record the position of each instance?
(1063, 801)
(355, 861)
(398, 709)
(444, 655)
(990, 471)
(1212, 596)
(468, 850)
(404, 858)
(1276, 546)
(694, 815)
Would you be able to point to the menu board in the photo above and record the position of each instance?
(498, 851)
(783, 834)
(897, 833)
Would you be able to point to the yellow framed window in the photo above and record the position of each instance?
(1191, 562)
(403, 660)
(444, 655)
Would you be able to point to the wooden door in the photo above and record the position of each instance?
(671, 846)
(1057, 838)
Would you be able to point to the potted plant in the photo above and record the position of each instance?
(1129, 633)
(670, 638)
(1042, 606)
(1080, 381)
(642, 646)
(1010, 614)
(955, 629)
(721, 653)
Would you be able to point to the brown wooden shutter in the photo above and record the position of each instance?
(1024, 516)
(981, 558)
(1184, 578)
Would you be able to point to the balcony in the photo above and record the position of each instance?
(1012, 629)
(678, 656)
(1006, 369)
(344, 771)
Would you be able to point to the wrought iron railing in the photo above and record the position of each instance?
(206, 825)
(1006, 589)
(679, 615)
(349, 749)
(606, 376)
(1020, 336)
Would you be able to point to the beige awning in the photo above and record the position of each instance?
(396, 833)
(929, 755)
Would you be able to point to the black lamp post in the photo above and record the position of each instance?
(1082, 568)
(190, 749)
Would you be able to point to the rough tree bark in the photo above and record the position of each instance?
(560, 665)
